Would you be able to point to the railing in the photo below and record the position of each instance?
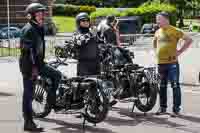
(138, 41)
(9, 47)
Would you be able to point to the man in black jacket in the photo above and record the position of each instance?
(32, 62)
(86, 43)
(108, 31)
(88, 51)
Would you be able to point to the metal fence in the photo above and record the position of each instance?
(9, 47)
(138, 41)
(12, 47)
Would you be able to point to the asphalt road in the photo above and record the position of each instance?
(119, 120)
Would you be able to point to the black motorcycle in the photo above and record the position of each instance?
(65, 51)
(129, 80)
(78, 93)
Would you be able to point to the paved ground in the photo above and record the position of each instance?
(119, 120)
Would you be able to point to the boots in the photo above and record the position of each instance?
(29, 125)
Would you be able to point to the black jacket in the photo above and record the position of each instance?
(88, 53)
(32, 46)
(107, 33)
(110, 36)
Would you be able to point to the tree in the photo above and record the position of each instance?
(110, 3)
(182, 5)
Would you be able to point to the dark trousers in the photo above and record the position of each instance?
(28, 84)
(27, 98)
(170, 72)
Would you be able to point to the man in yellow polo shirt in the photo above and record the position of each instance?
(165, 43)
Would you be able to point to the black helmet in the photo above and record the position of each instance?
(81, 16)
(35, 7)
(110, 19)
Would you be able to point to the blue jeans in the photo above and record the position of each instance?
(170, 72)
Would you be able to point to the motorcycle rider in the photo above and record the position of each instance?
(108, 30)
(32, 63)
(88, 53)
(87, 43)
(109, 33)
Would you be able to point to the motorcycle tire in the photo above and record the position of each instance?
(151, 92)
(40, 98)
(97, 106)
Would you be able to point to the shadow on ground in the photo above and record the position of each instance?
(135, 118)
(4, 94)
(76, 128)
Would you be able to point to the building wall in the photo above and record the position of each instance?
(17, 10)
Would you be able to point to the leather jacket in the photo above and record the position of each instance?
(107, 33)
(88, 53)
(32, 46)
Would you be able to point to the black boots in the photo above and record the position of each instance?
(29, 125)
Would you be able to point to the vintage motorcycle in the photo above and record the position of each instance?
(129, 80)
(82, 95)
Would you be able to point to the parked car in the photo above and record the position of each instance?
(14, 32)
(128, 26)
(149, 28)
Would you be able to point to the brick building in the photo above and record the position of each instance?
(17, 8)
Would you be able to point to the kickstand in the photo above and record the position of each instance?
(133, 107)
(84, 120)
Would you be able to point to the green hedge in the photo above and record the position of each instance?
(71, 10)
(196, 28)
(58, 9)
(147, 11)
(88, 9)
(104, 12)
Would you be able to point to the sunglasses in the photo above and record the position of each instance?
(84, 20)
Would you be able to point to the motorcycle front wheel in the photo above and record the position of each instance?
(96, 105)
(146, 95)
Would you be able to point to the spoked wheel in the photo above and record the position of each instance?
(39, 105)
(146, 95)
(96, 106)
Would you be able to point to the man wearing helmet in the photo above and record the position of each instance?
(32, 62)
(108, 30)
(86, 43)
